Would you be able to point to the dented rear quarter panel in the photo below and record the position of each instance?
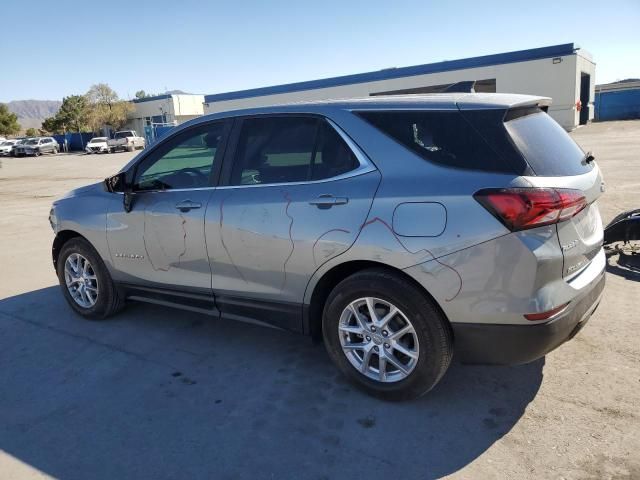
(408, 178)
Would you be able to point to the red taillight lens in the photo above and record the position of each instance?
(545, 315)
(573, 201)
(522, 208)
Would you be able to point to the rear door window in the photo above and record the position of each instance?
(441, 137)
(333, 156)
(545, 145)
(285, 149)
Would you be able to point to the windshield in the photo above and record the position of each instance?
(98, 140)
(124, 134)
(31, 142)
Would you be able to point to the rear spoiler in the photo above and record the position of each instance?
(502, 101)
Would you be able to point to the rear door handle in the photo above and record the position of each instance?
(186, 205)
(328, 201)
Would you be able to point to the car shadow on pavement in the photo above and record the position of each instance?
(625, 265)
(160, 393)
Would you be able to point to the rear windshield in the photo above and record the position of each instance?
(124, 134)
(442, 137)
(547, 148)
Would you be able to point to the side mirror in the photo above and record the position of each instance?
(119, 184)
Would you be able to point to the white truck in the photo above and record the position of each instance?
(126, 140)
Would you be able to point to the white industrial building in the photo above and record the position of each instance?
(563, 72)
(167, 109)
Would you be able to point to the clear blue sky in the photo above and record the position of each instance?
(62, 48)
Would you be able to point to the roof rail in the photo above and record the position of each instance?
(467, 86)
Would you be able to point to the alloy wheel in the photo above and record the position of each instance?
(81, 280)
(378, 339)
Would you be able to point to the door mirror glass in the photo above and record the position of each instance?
(117, 183)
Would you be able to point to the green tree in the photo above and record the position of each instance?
(73, 115)
(141, 94)
(8, 121)
(52, 125)
(32, 132)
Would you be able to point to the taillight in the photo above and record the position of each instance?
(522, 208)
(545, 315)
(573, 201)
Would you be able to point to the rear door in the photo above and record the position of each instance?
(296, 191)
(558, 162)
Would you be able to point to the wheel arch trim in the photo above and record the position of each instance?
(325, 279)
(62, 237)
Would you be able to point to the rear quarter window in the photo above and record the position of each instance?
(547, 148)
(441, 137)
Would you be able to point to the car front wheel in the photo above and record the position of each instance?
(386, 335)
(85, 281)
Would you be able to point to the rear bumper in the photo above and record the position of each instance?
(518, 344)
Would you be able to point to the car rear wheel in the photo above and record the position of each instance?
(85, 281)
(386, 335)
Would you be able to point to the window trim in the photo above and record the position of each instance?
(365, 164)
(214, 176)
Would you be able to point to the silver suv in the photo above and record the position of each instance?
(36, 147)
(398, 229)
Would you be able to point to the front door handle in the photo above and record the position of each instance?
(328, 201)
(186, 205)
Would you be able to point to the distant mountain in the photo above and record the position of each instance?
(31, 113)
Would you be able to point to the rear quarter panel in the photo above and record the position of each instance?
(409, 178)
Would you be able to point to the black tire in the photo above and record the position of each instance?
(109, 300)
(432, 329)
(38, 153)
(55, 151)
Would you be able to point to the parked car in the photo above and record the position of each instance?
(126, 140)
(36, 147)
(5, 147)
(19, 141)
(97, 145)
(398, 229)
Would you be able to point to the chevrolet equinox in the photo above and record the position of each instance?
(398, 229)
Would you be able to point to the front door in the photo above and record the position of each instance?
(295, 197)
(160, 243)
